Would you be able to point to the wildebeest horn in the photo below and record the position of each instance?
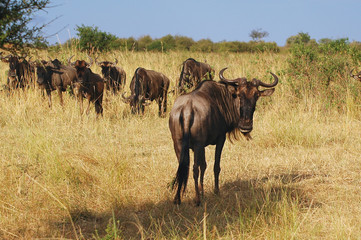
(116, 61)
(351, 75)
(125, 99)
(260, 83)
(224, 79)
(91, 61)
(71, 63)
(96, 61)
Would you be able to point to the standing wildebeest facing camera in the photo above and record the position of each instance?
(89, 85)
(21, 73)
(193, 72)
(204, 117)
(148, 85)
(53, 75)
(113, 75)
(357, 76)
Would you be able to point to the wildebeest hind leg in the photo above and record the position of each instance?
(199, 160)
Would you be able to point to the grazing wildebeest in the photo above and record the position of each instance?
(148, 85)
(204, 117)
(53, 75)
(21, 73)
(357, 76)
(193, 72)
(89, 85)
(113, 75)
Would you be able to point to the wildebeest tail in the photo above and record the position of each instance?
(183, 167)
(137, 84)
(181, 76)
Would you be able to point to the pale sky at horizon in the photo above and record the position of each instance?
(228, 20)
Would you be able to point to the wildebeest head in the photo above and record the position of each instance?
(45, 70)
(357, 76)
(14, 62)
(106, 67)
(82, 68)
(246, 94)
(137, 99)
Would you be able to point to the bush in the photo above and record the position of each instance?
(322, 70)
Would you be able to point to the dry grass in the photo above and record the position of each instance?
(69, 176)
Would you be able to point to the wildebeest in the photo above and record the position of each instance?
(113, 75)
(204, 117)
(21, 73)
(193, 72)
(148, 85)
(89, 85)
(53, 75)
(357, 76)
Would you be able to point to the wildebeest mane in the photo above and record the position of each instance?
(225, 102)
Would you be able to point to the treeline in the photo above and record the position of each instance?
(91, 39)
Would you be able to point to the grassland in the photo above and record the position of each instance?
(67, 176)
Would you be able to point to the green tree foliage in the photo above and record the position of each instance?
(299, 38)
(15, 16)
(183, 43)
(90, 38)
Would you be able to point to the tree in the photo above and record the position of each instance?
(258, 34)
(300, 38)
(15, 16)
(91, 38)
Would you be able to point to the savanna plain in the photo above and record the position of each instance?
(70, 176)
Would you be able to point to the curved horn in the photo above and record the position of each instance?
(351, 75)
(223, 79)
(91, 61)
(96, 61)
(221, 75)
(125, 99)
(260, 83)
(71, 63)
(116, 61)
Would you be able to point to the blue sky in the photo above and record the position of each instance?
(228, 20)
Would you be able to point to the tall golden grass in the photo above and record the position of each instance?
(67, 176)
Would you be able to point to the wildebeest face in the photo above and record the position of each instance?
(246, 94)
(106, 69)
(81, 69)
(13, 68)
(42, 72)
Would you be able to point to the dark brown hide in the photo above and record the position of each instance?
(89, 85)
(193, 72)
(114, 76)
(53, 75)
(204, 117)
(148, 85)
(21, 73)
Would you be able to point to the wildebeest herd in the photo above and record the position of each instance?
(203, 114)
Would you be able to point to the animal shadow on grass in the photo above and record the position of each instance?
(241, 199)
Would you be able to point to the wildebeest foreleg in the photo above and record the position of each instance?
(217, 161)
(199, 163)
(48, 93)
(58, 89)
(88, 107)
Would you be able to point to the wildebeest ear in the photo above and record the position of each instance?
(267, 92)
